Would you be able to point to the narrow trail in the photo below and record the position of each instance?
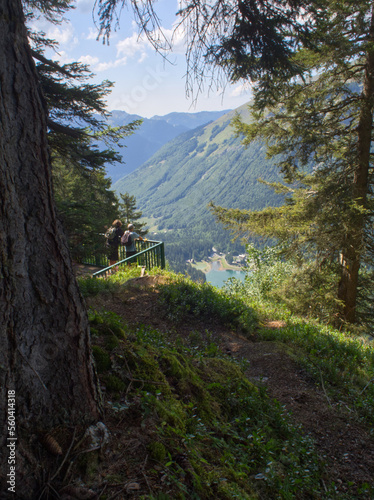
(342, 442)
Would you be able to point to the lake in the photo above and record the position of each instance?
(218, 278)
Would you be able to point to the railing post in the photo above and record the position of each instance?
(162, 250)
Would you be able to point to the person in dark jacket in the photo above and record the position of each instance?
(114, 242)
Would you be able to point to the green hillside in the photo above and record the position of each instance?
(209, 163)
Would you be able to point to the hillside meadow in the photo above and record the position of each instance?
(211, 393)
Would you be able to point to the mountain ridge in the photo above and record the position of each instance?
(205, 164)
(151, 135)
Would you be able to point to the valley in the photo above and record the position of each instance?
(206, 164)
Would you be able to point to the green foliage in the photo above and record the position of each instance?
(296, 286)
(102, 359)
(80, 139)
(309, 293)
(215, 434)
(113, 384)
(342, 362)
(90, 287)
(107, 323)
(157, 451)
(128, 214)
(183, 298)
(85, 204)
(93, 286)
(323, 119)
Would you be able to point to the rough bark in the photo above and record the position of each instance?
(351, 256)
(45, 355)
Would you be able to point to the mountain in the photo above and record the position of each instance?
(152, 134)
(191, 120)
(175, 185)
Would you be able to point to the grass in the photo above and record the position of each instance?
(94, 286)
(182, 298)
(342, 361)
(216, 435)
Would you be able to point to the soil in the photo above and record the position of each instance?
(342, 442)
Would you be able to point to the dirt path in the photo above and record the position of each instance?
(341, 440)
(344, 443)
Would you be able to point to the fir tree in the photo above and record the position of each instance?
(130, 215)
(322, 120)
(80, 140)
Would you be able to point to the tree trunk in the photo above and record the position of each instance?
(45, 356)
(351, 256)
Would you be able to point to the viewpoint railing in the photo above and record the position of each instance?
(149, 254)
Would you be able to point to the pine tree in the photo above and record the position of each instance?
(323, 120)
(130, 215)
(44, 326)
(81, 144)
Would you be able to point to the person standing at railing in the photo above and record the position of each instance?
(113, 239)
(128, 240)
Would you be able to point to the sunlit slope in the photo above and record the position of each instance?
(209, 163)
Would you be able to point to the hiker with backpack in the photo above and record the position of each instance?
(113, 240)
(128, 240)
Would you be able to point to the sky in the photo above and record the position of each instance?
(145, 83)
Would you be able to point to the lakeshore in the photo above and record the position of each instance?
(216, 263)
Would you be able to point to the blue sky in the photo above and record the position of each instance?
(144, 83)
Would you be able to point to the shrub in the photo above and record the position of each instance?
(182, 298)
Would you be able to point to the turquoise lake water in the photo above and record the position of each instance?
(218, 278)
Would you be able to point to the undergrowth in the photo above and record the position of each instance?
(342, 363)
(183, 297)
(211, 433)
(214, 434)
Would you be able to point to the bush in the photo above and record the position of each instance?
(300, 288)
(183, 298)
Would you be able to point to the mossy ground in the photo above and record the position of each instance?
(204, 430)
(190, 405)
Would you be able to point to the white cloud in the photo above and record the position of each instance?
(240, 90)
(62, 57)
(104, 66)
(84, 6)
(176, 38)
(131, 46)
(63, 35)
(90, 60)
(92, 35)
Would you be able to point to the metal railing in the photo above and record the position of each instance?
(149, 254)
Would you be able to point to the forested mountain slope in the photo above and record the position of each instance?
(151, 136)
(174, 187)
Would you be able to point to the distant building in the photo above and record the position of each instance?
(240, 259)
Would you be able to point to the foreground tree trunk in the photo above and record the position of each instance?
(46, 372)
(351, 256)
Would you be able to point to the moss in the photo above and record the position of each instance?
(171, 412)
(102, 359)
(145, 369)
(107, 323)
(88, 463)
(178, 367)
(157, 451)
(111, 342)
(114, 384)
(94, 331)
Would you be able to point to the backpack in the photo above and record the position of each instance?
(111, 233)
(126, 239)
